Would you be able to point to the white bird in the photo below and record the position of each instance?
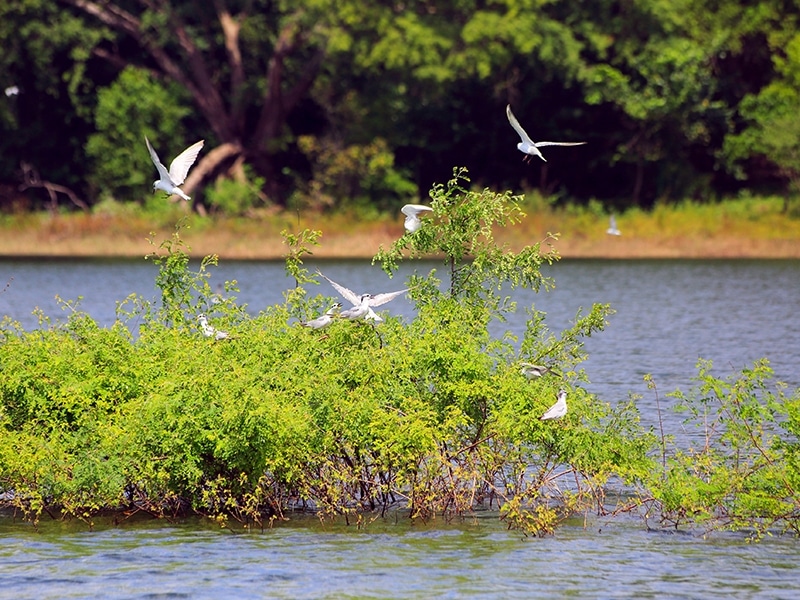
(178, 169)
(559, 409)
(323, 320)
(210, 331)
(218, 297)
(527, 145)
(612, 226)
(362, 305)
(531, 371)
(360, 311)
(412, 212)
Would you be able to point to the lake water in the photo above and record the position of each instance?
(469, 560)
(669, 314)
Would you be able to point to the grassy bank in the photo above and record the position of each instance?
(736, 228)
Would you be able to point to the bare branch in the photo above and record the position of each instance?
(32, 179)
(208, 97)
(110, 57)
(110, 14)
(230, 29)
(118, 19)
(200, 84)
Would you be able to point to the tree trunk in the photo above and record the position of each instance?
(638, 182)
(187, 66)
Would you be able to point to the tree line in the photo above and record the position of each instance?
(323, 103)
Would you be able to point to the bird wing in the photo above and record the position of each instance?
(314, 323)
(180, 166)
(162, 170)
(538, 144)
(378, 299)
(551, 412)
(372, 316)
(412, 210)
(346, 294)
(517, 127)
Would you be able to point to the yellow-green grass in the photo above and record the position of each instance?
(736, 228)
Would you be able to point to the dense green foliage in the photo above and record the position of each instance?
(431, 416)
(335, 102)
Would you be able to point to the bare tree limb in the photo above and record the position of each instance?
(121, 20)
(178, 56)
(230, 29)
(208, 97)
(110, 57)
(32, 179)
(200, 85)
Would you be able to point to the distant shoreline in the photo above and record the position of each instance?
(644, 236)
(364, 246)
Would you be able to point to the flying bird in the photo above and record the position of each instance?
(532, 371)
(170, 180)
(362, 304)
(612, 226)
(210, 331)
(527, 146)
(559, 409)
(412, 212)
(323, 320)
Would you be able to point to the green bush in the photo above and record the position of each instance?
(361, 176)
(739, 470)
(237, 197)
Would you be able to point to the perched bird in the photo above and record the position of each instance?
(531, 371)
(612, 226)
(362, 305)
(412, 212)
(323, 320)
(178, 169)
(210, 331)
(559, 409)
(527, 145)
(360, 310)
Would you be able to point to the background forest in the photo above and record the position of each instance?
(321, 104)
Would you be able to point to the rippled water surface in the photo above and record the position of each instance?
(669, 314)
(474, 559)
